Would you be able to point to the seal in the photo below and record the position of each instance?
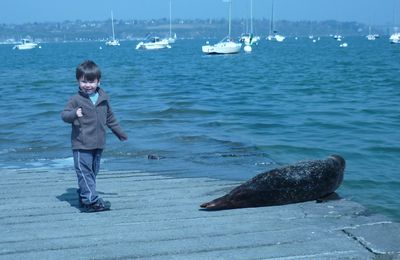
(303, 181)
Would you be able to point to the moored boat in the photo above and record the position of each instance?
(226, 45)
(153, 43)
(26, 44)
(273, 34)
(112, 42)
(395, 38)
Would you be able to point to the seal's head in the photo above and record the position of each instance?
(339, 165)
(218, 204)
(339, 160)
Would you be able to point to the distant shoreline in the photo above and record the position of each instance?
(135, 40)
(68, 31)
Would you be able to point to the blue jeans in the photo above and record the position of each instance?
(87, 165)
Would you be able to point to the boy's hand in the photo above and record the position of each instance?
(79, 112)
(123, 137)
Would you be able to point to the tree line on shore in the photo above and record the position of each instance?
(197, 28)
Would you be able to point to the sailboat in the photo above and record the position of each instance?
(170, 39)
(112, 42)
(395, 37)
(370, 36)
(273, 34)
(227, 45)
(249, 38)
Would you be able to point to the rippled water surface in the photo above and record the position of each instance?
(228, 117)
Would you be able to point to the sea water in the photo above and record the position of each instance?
(228, 117)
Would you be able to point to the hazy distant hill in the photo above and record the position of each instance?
(135, 29)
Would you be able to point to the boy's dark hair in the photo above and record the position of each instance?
(88, 70)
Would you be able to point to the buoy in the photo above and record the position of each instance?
(247, 48)
(343, 45)
(100, 48)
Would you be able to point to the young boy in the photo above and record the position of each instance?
(89, 113)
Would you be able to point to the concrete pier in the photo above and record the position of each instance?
(157, 216)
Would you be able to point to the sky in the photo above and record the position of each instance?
(374, 12)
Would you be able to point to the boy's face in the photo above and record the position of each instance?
(89, 86)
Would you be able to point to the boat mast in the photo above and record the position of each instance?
(251, 17)
(170, 20)
(271, 22)
(112, 25)
(395, 28)
(230, 11)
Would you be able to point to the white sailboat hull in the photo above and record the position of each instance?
(222, 48)
(226, 45)
(276, 37)
(249, 39)
(171, 39)
(279, 38)
(113, 43)
(273, 34)
(395, 38)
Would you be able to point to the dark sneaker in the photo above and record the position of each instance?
(81, 204)
(99, 205)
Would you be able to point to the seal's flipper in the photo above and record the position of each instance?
(330, 196)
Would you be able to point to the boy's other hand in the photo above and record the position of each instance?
(79, 112)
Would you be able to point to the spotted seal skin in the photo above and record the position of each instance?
(303, 181)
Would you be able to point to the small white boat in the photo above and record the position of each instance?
(276, 37)
(249, 39)
(395, 38)
(26, 44)
(154, 43)
(370, 36)
(226, 46)
(273, 34)
(338, 37)
(112, 42)
(170, 39)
